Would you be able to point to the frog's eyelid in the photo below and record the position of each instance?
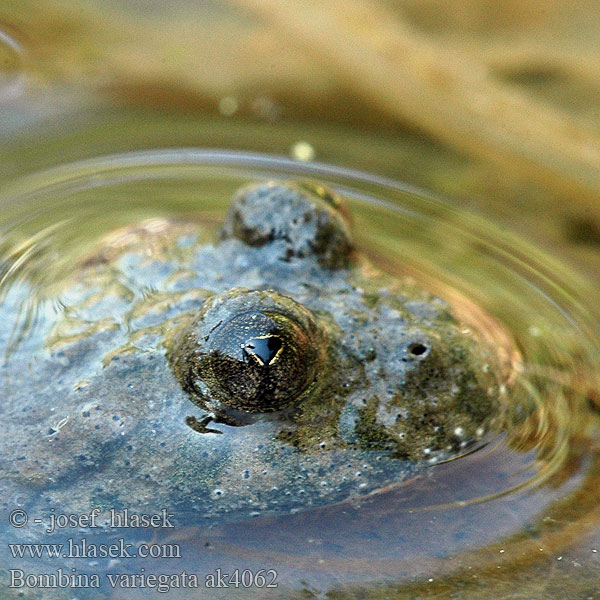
(213, 328)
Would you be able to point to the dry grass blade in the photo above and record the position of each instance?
(448, 93)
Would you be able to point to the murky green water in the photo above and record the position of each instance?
(526, 502)
(517, 517)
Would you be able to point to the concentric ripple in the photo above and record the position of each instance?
(532, 488)
(11, 67)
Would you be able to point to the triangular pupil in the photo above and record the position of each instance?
(265, 349)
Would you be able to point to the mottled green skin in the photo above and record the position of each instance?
(376, 383)
(307, 217)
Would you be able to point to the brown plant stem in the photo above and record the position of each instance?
(447, 93)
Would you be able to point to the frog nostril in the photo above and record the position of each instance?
(418, 349)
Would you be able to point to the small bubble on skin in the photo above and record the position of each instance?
(218, 492)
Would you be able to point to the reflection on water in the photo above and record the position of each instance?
(521, 508)
(12, 78)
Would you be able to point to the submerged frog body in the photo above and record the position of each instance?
(269, 371)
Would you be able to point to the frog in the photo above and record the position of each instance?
(261, 367)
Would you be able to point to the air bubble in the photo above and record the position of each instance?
(302, 151)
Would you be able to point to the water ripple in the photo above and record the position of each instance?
(538, 315)
(12, 75)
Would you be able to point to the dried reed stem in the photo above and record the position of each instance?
(447, 93)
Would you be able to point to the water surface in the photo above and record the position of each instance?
(524, 503)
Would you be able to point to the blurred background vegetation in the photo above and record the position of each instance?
(494, 103)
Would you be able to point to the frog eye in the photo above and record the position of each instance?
(295, 220)
(252, 351)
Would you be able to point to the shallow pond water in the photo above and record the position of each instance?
(519, 510)
(105, 123)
